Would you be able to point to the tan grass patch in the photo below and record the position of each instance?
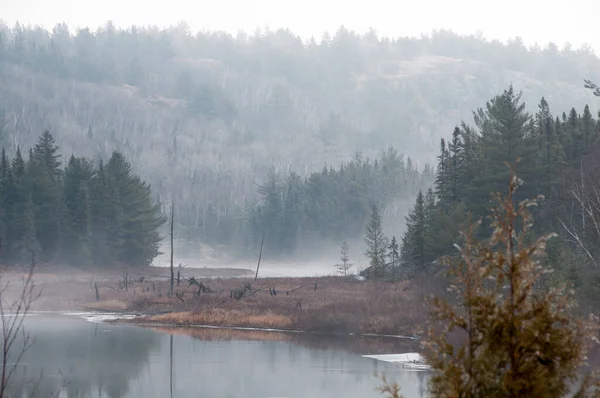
(108, 305)
(224, 317)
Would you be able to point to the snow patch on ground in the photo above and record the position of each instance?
(410, 360)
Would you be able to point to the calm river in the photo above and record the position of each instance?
(72, 357)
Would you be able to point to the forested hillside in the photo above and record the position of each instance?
(554, 155)
(206, 118)
(78, 214)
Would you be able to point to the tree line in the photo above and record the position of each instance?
(80, 214)
(332, 205)
(203, 115)
(555, 158)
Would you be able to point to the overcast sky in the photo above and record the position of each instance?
(575, 21)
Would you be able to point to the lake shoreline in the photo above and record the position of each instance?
(148, 324)
(233, 298)
(333, 305)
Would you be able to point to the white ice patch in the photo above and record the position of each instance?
(99, 317)
(410, 360)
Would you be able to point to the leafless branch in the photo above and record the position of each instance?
(13, 313)
(575, 236)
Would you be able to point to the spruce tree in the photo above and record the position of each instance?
(106, 219)
(138, 216)
(376, 245)
(44, 179)
(443, 179)
(394, 256)
(456, 162)
(414, 246)
(271, 191)
(46, 154)
(431, 212)
(18, 165)
(345, 265)
(82, 215)
(588, 129)
(471, 156)
(573, 129)
(75, 212)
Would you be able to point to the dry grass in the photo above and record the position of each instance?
(108, 305)
(337, 305)
(223, 317)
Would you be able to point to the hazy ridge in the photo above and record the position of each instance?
(203, 117)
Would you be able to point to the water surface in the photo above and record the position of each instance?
(104, 360)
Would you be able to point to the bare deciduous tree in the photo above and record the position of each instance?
(593, 87)
(15, 304)
(583, 224)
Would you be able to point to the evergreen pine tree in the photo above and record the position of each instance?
(376, 246)
(588, 129)
(345, 265)
(75, 212)
(271, 193)
(18, 165)
(43, 177)
(394, 256)
(443, 182)
(139, 217)
(572, 128)
(46, 154)
(82, 213)
(471, 156)
(456, 160)
(107, 219)
(414, 246)
(504, 139)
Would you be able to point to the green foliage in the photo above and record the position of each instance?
(515, 339)
(557, 158)
(80, 215)
(377, 245)
(503, 138)
(499, 334)
(327, 206)
(417, 245)
(393, 254)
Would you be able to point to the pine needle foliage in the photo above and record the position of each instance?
(519, 340)
(516, 338)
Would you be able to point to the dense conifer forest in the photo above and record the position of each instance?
(556, 159)
(80, 214)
